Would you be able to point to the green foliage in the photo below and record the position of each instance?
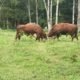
(28, 59)
(16, 12)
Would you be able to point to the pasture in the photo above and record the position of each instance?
(29, 59)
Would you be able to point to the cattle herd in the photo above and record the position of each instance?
(56, 31)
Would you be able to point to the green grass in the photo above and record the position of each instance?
(29, 59)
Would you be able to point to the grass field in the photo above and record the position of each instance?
(28, 59)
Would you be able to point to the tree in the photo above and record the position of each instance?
(36, 11)
(51, 13)
(13, 12)
(29, 12)
(78, 19)
(73, 12)
(48, 7)
(57, 11)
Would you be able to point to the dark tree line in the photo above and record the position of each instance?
(13, 12)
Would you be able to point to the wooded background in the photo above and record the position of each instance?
(14, 12)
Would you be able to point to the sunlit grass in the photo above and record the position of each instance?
(29, 59)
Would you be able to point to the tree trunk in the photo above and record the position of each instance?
(29, 12)
(36, 11)
(0, 13)
(7, 23)
(51, 13)
(78, 19)
(73, 13)
(48, 15)
(57, 11)
(48, 7)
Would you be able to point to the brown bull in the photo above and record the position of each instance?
(30, 29)
(64, 29)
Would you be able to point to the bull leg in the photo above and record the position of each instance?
(38, 37)
(42, 37)
(72, 36)
(76, 36)
(18, 36)
(58, 37)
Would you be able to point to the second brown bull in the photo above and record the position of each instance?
(64, 29)
(30, 29)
